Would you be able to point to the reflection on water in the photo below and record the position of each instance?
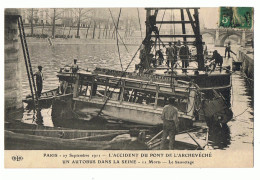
(237, 134)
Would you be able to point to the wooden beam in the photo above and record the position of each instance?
(188, 42)
(91, 87)
(173, 22)
(183, 25)
(164, 8)
(122, 91)
(76, 87)
(192, 22)
(105, 93)
(176, 35)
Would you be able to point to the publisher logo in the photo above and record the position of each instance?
(17, 158)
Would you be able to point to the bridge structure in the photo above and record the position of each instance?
(221, 34)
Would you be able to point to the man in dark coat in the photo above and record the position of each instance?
(39, 80)
(170, 55)
(184, 54)
(218, 59)
(160, 56)
(228, 50)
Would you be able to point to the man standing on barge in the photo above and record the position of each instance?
(74, 66)
(170, 51)
(39, 80)
(170, 123)
(184, 55)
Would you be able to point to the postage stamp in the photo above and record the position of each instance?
(236, 17)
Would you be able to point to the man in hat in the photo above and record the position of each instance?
(184, 55)
(39, 80)
(170, 123)
(74, 67)
(228, 50)
(170, 55)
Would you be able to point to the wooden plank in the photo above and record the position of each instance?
(99, 136)
(71, 130)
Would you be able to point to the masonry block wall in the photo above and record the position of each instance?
(13, 96)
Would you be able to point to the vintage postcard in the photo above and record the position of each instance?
(160, 87)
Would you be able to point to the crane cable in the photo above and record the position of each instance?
(139, 23)
(162, 19)
(117, 39)
(117, 30)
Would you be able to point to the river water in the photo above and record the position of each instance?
(237, 135)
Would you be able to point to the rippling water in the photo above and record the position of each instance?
(89, 57)
(237, 135)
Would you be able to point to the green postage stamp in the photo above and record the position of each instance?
(236, 17)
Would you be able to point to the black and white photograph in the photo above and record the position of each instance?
(170, 82)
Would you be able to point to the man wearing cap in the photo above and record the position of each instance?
(228, 50)
(170, 123)
(74, 67)
(39, 80)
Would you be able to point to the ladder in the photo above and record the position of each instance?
(27, 62)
